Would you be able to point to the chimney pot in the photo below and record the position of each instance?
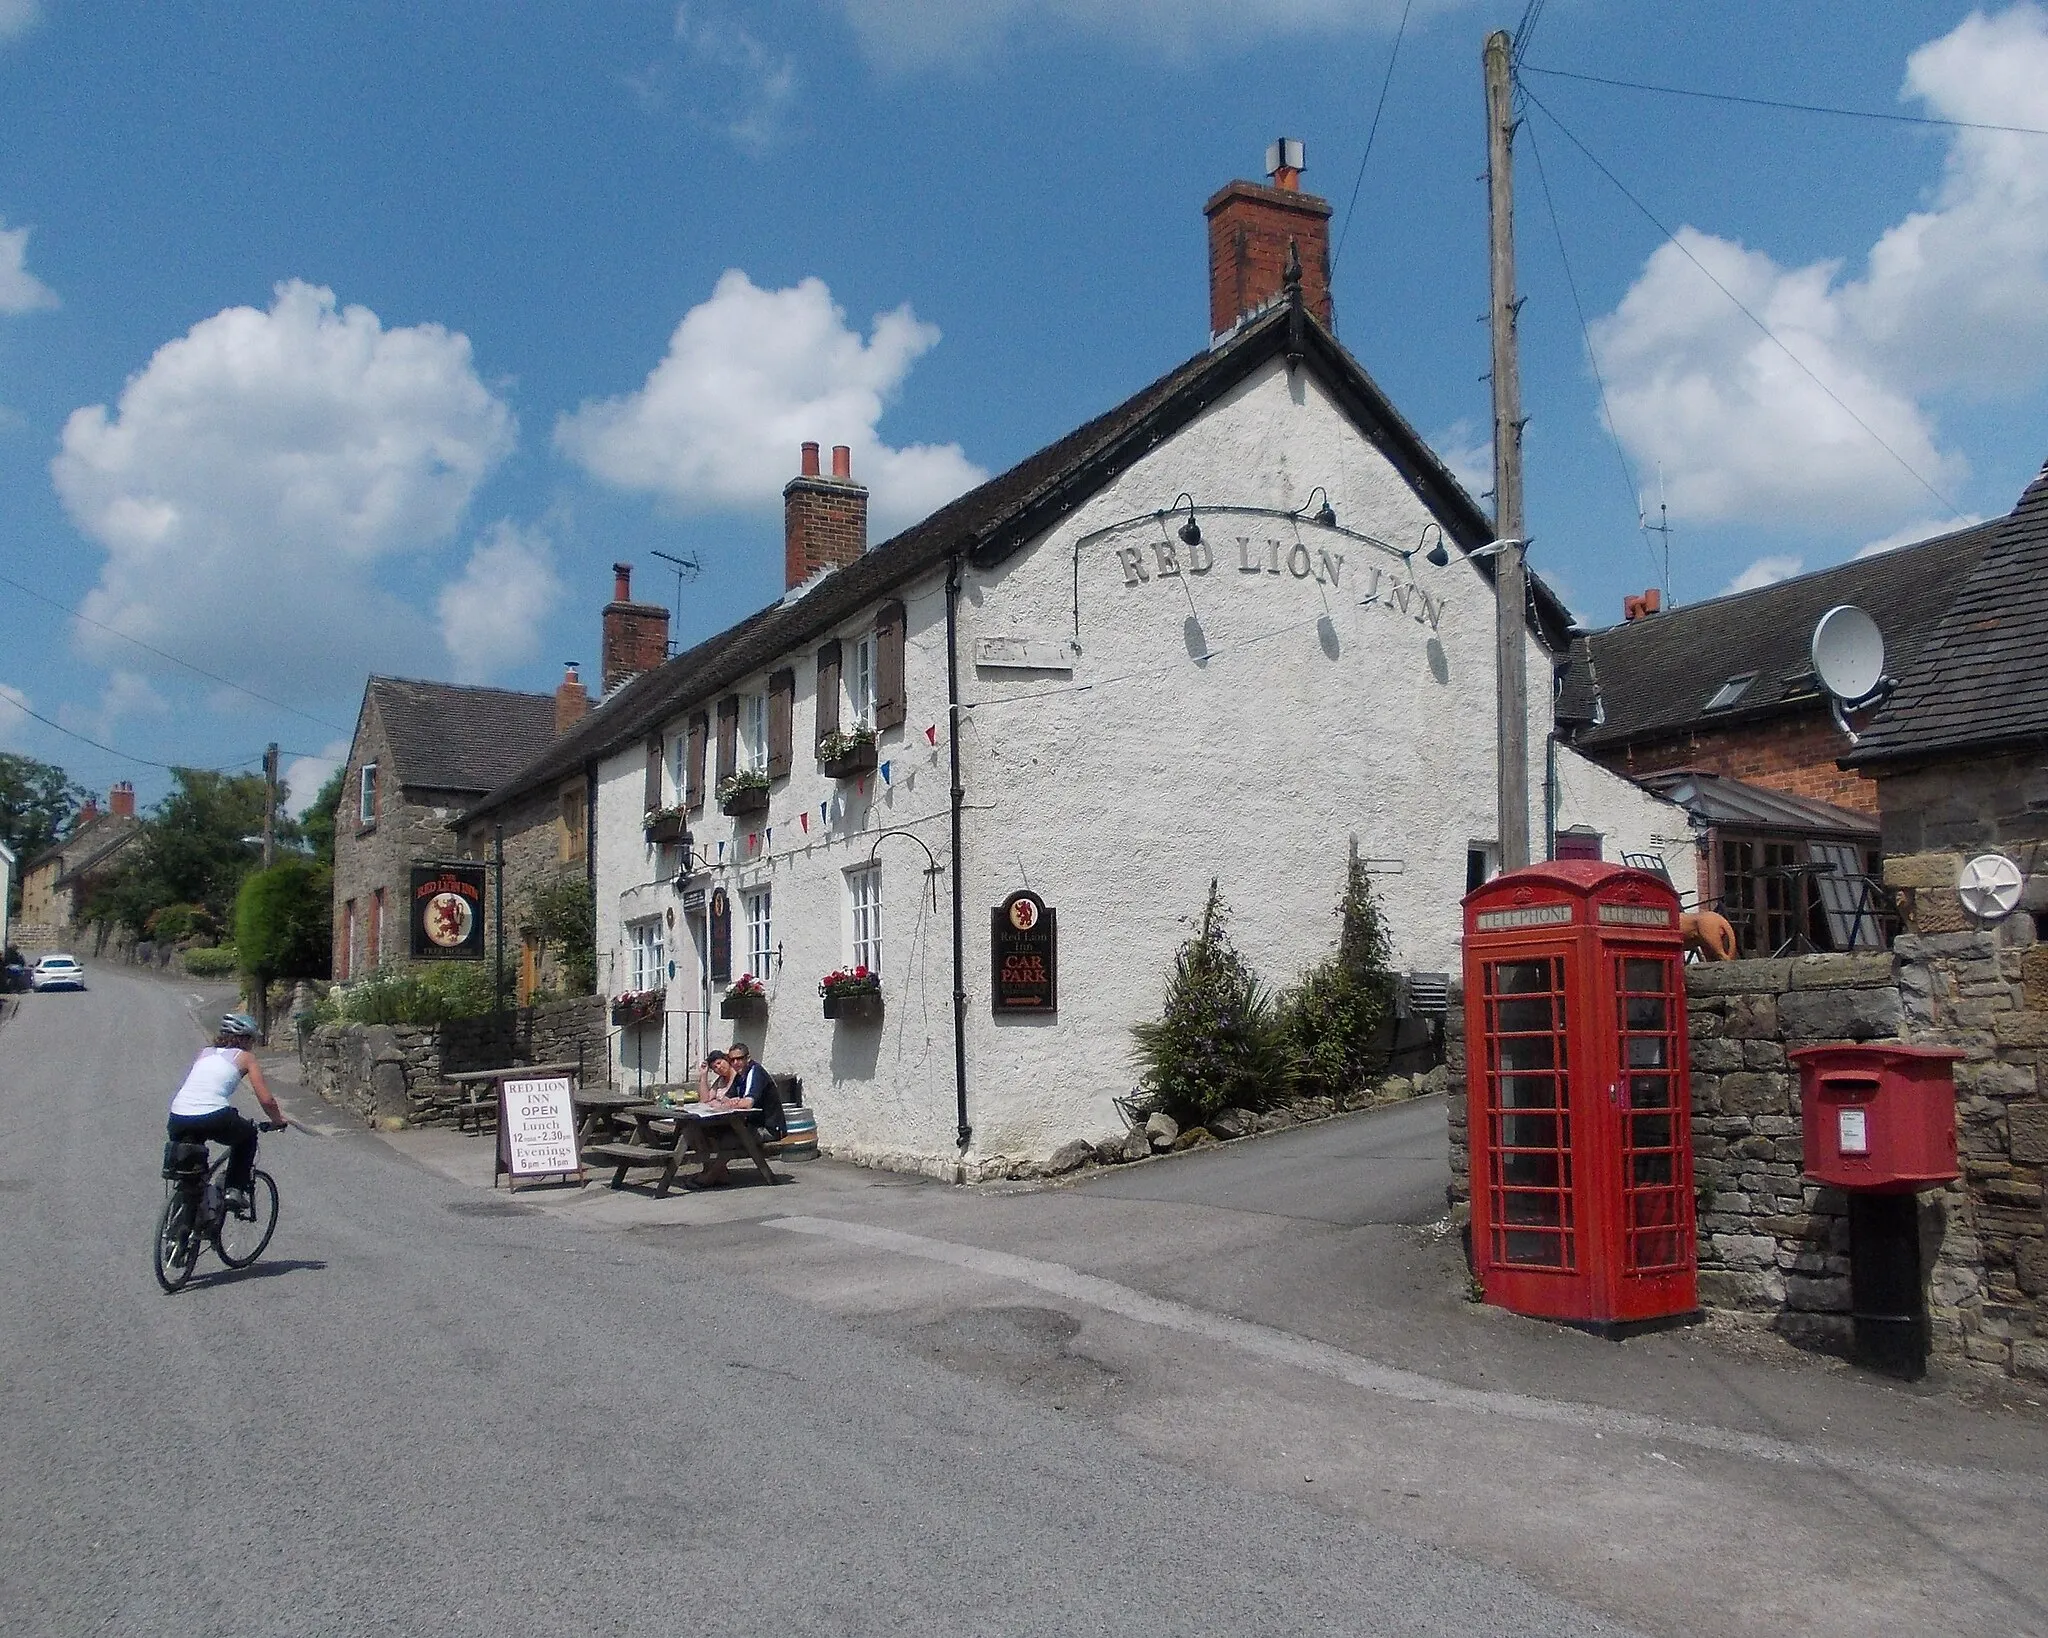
(842, 461)
(622, 582)
(810, 466)
(121, 800)
(1653, 600)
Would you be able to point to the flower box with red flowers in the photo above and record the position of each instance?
(853, 994)
(637, 1007)
(748, 998)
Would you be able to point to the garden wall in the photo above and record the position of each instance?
(385, 1072)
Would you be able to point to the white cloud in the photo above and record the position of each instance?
(1765, 571)
(913, 32)
(14, 724)
(751, 374)
(304, 775)
(1911, 534)
(1952, 299)
(258, 469)
(738, 86)
(20, 290)
(491, 616)
(1468, 452)
(17, 17)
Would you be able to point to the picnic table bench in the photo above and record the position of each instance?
(707, 1133)
(479, 1087)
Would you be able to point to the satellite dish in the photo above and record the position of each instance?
(1990, 887)
(1848, 658)
(1848, 653)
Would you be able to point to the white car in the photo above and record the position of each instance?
(59, 972)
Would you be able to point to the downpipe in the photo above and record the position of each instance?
(966, 1132)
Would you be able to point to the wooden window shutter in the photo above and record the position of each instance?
(652, 799)
(728, 737)
(828, 690)
(890, 706)
(693, 761)
(781, 697)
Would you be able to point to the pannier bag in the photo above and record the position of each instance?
(182, 1159)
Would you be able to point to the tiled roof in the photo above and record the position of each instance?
(86, 846)
(451, 737)
(1719, 800)
(1658, 675)
(1981, 681)
(989, 522)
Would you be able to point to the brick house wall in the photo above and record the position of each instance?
(1795, 754)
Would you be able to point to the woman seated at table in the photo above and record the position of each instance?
(714, 1078)
(749, 1087)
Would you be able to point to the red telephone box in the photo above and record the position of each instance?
(1579, 1087)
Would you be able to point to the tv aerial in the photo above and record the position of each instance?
(1848, 658)
(687, 568)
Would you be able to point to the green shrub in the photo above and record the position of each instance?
(176, 921)
(1335, 1018)
(1217, 1043)
(215, 963)
(430, 993)
(284, 921)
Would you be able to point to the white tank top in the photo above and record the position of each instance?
(210, 1087)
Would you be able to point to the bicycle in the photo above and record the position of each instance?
(196, 1213)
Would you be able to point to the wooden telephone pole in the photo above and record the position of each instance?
(270, 805)
(1510, 582)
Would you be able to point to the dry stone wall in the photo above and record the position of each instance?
(385, 1072)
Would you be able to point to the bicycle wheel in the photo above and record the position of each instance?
(177, 1240)
(240, 1239)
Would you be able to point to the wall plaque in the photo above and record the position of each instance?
(448, 912)
(718, 934)
(1024, 955)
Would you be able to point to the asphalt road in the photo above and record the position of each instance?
(429, 1410)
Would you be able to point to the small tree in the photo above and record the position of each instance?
(1335, 1018)
(1217, 1044)
(284, 927)
(563, 915)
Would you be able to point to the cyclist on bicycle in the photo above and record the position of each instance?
(203, 1109)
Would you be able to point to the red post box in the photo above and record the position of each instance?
(1579, 1090)
(1878, 1118)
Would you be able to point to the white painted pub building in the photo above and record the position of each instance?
(1197, 637)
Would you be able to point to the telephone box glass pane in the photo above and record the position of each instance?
(1646, 1010)
(1529, 1162)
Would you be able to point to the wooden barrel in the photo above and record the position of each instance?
(801, 1127)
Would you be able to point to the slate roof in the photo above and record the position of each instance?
(1655, 676)
(1981, 681)
(1720, 800)
(988, 523)
(452, 737)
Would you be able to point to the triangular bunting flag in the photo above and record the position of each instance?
(804, 819)
(883, 770)
(932, 733)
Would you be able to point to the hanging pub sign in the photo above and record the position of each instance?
(719, 934)
(1024, 955)
(448, 912)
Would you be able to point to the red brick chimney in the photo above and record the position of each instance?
(88, 811)
(1635, 608)
(121, 801)
(635, 634)
(572, 700)
(824, 520)
(1250, 229)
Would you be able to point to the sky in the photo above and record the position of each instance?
(352, 338)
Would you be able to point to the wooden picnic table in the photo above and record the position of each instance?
(480, 1087)
(707, 1133)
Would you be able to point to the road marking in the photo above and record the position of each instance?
(1323, 1359)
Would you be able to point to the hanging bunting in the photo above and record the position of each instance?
(883, 770)
(721, 853)
(804, 819)
(768, 835)
(825, 813)
(931, 734)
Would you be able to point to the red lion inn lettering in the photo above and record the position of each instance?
(1024, 950)
(448, 912)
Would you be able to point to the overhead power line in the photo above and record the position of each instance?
(125, 756)
(1774, 102)
(1374, 130)
(1740, 306)
(165, 654)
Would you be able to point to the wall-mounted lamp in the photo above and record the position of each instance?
(1190, 532)
(1439, 556)
(1327, 515)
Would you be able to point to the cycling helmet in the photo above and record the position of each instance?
(238, 1023)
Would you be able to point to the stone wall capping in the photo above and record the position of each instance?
(1863, 969)
(1923, 870)
(1761, 977)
